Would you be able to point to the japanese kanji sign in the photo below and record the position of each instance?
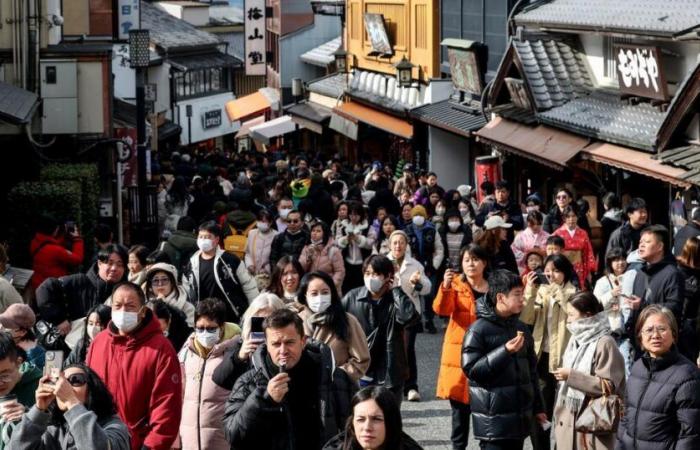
(254, 37)
(129, 17)
(639, 71)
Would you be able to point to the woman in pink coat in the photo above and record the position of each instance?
(322, 255)
(577, 246)
(204, 401)
(531, 237)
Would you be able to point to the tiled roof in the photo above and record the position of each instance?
(310, 111)
(170, 33)
(383, 90)
(323, 54)
(451, 116)
(687, 157)
(332, 85)
(604, 116)
(17, 105)
(655, 17)
(555, 71)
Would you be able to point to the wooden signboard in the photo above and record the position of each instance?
(639, 71)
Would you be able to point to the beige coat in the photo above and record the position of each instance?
(351, 355)
(608, 364)
(536, 312)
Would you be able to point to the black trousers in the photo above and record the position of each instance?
(410, 334)
(353, 277)
(548, 386)
(460, 425)
(505, 444)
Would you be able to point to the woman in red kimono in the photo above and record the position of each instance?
(577, 247)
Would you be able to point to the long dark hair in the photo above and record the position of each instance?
(178, 330)
(334, 317)
(563, 265)
(392, 418)
(178, 191)
(104, 313)
(326, 231)
(98, 399)
(382, 235)
(276, 277)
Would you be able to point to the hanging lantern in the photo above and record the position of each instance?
(341, 60)
(404, 72)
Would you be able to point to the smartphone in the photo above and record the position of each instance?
(256, 329)
(53, 364)
(542, 278)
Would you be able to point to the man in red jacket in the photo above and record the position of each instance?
(140, 368)
(50, 257)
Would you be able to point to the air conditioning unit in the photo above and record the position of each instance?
(59, 93)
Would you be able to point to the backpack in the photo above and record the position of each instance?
(236, 242)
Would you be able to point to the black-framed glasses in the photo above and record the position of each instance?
(77, 379)
(208, 329)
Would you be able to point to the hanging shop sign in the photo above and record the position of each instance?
(378, 37)
(639, 71)
(254, 37)
(211, 119)
(467, 63)
(129, 17)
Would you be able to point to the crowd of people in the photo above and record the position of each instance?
(282, 306)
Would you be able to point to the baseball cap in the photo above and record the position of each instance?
(18, 315)
(496, 222)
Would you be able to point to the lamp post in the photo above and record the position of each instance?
(139, 41)
(404, 70)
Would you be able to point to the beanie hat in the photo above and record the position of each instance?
(419, 210)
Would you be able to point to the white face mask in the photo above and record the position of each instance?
(453, 225)
(208, 339)
(440, 211)
(418, 221)
(263, 226)
(125, 321)
(319, 303)
(464, 211)
(205, 245)
(93, 330)
(374, 284)
(284, 212)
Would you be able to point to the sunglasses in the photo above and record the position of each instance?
(77, 379)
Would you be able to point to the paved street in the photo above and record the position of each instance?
(429, 421)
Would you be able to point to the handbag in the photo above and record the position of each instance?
(602, 414)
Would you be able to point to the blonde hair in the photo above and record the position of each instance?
(266, 300)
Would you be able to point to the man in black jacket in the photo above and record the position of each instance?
(383, 313)
(503, 206)
(628, 234)
(689, 231)
(294, 398)
(498, 357)
(290, 242)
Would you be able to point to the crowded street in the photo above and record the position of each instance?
(350, 225)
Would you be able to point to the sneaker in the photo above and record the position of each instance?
(413, 396)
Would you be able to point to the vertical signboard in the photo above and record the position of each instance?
(255, 37)
(129, 17)
(129, 165)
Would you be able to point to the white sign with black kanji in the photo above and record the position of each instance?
(254, 37)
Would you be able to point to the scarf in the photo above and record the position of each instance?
(579, 353)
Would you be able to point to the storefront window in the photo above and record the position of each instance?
(201, 82)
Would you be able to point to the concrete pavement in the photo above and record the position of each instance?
(430, 420)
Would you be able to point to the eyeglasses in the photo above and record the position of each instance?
(207, 329)
(77, 379)
(160, 281)
(649, 331)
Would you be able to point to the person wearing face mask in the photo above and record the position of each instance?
(321, 254)
(531, 237)
(455, 236)
(439, 217)
(204, 401)
(133, 344)
(95, 321)
(326, 321)
(257, 249)
(384, 311)
(284, 207)
(353, 238)
(291, 241)
(84, 290)
(213, 273)
(426, 247)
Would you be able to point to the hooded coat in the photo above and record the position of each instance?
(504, 391)
(50, 259)
(150, 408)
(177, 297)
(180, 247)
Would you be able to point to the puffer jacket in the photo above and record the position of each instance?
(383, 322)
(71, 297)
(257, 251)
(286, 243)
(662, 406)
(178, 297)
(204, 401)
(325, 258)
(504, 392)
(180, 247)
(50, 259)
(232, 277)
(459, 305)
(253, 421)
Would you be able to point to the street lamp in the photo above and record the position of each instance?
(404, 70)
(341, 60)
(139, 57)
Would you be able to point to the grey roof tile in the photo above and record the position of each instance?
(658, 17)
(333, 85)
(171, 33)
(17, 105)
(451, 116)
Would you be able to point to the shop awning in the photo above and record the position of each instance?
(310, 115)
(247, 106)
(545, 145)
(272, 129)
(17, 105)
(635, 161)
(206, 61)
(356, 112)
(246, 126)
(323, 55)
